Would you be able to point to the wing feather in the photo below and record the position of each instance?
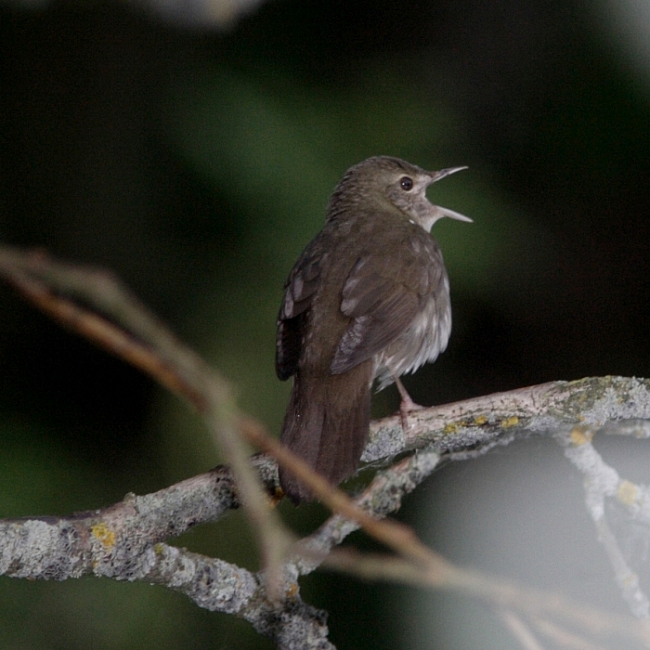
(299, 291)
(382, 295)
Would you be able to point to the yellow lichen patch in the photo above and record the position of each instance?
(510, 422)
(104, 534)
(581, 435)
(480, 420)
(627, 493)
(292, 590)
(452, 427)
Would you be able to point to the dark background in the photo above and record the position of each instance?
(195, 161)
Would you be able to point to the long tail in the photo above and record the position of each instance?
(327, 425)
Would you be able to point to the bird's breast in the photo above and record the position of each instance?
(422, 341)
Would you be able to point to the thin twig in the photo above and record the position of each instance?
(134, 334)
(139, 337)
(519, 630)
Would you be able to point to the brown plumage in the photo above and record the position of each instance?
(368, 298)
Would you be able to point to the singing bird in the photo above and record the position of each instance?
(367, 299)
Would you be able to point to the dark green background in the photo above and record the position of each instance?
(197, 163)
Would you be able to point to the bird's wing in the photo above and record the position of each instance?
(299, 290)
(382, 295)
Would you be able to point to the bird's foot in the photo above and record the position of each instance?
(406, 405)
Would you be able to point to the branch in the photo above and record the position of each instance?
(472, 427)
(136, 335)
(124, 541)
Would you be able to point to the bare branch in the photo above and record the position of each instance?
(146, 341)
(520, 630)
(125, 541)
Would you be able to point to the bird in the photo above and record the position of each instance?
(368, 299)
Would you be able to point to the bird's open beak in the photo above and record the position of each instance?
(445, 212)
(436, 176)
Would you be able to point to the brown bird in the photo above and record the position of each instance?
(368, 299)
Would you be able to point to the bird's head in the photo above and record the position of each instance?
(386, 181)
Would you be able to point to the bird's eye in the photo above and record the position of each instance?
(406, 183)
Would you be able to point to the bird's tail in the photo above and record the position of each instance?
(327, 425)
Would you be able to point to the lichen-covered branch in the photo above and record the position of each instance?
(470, 427)
(126, 541)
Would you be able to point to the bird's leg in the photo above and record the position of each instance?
(406, 404)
